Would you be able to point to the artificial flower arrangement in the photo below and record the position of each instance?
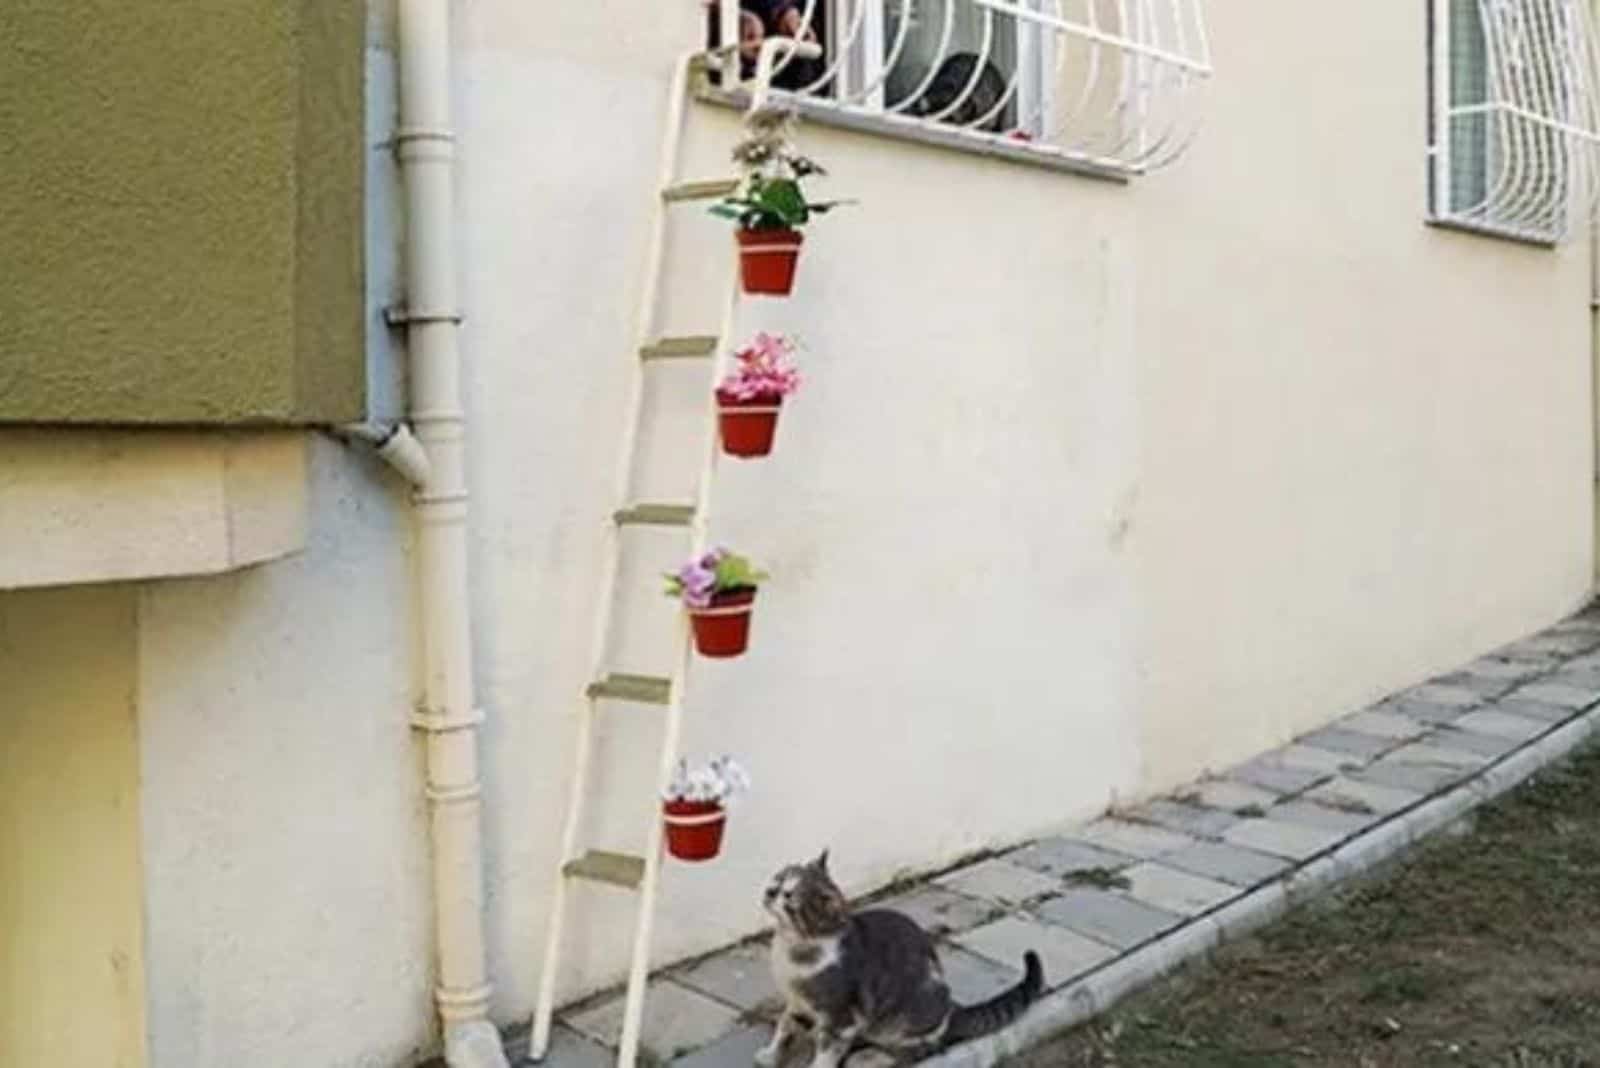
(694, 806)
(750, 397)
(770, 206)
(718, 589)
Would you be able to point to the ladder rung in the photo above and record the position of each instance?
(618, 869)
(704, 190)
(670, 348)
(660, 515)
(646, 689)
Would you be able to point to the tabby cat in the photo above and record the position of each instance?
(867, 977)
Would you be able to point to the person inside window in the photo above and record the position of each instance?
(760, 19)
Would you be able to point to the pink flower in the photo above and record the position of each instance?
(764, 370)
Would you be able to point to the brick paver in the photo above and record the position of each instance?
(1108, 917)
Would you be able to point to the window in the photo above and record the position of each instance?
(1513, 118)
(1103, 81)
(944, 45)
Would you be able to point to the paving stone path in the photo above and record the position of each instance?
(1088, 897)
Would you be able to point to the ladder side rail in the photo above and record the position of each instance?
(639, 965)
(544, 1011)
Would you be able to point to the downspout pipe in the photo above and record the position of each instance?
(395, 445)
(448, 716)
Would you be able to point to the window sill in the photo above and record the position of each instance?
(1502, 233)
(917, 131)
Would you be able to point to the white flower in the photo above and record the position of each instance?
(717, 781)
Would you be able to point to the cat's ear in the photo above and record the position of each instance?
(821, 863)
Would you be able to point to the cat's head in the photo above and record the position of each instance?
(804, 899)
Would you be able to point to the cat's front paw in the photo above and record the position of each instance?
(767, 1056)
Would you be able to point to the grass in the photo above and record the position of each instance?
(1480, 949)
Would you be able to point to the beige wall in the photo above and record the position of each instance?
(71, 940)
(1366, 444)
(94, 504)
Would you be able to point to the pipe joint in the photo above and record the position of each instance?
(463, 1004)
(440, 721)
(409, 134)
(467, 793)
(396, 446)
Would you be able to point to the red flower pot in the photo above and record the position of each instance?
(694, 828)
(767, 259)
(722, 628)
(747, 425)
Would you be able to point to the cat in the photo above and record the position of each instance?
(867, 977)
(949, 83)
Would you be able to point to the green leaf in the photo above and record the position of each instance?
(735, 571)
(783, 198)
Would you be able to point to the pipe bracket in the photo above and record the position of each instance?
(398, 315)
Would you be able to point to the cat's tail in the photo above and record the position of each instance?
(970, 1021)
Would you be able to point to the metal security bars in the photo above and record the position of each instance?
(1110, 83)
(1515, 125)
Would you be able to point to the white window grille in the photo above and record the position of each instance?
(1111, 83)
(1514, 125)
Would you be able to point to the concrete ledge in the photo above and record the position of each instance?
(1099, 990)
(93, 505)
(825, 112)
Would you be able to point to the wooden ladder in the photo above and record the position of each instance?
(637, 873)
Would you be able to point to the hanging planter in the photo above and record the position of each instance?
(767, 260)
(718, 591)
(694, 807)
(694, 828)
(722, 628)
(770, 207)
(747, 426)
(751, 396)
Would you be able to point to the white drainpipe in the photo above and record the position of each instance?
(395, 445)
(448, 716)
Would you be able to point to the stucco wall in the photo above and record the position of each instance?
(1365, 443)
(72, 981)
(180, 211)
(284, 837)
(941, 515)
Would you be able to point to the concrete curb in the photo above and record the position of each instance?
(1097, 991)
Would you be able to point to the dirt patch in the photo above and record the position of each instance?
(1482, 949)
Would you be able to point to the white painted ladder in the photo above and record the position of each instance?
(642, 873)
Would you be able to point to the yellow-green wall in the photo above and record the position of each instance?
(71, 901)
(181, 211)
